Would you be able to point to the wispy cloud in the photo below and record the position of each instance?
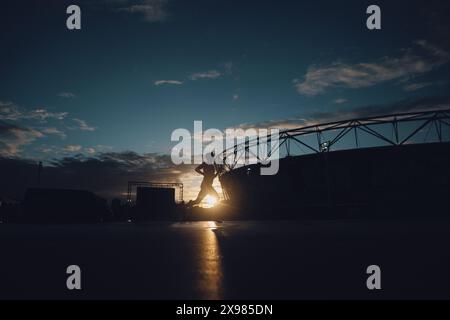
(13, 137)
(224, 69)
(422, 58)
(416, 86)
(409, 105)
(66, 95)
(340, 101)
(170, 82)
(228, 67)
(103, 148)
(20, 127)
(10, 111)
(90, 150)
(53, 131)
(43, 115)
(151, 10)
(82, 125)
(72, 148)
(281, 124)
(211, 74)
(53, 151)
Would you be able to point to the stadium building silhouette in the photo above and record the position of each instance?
(385, 166)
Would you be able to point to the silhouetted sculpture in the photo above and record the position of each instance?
(206, 188)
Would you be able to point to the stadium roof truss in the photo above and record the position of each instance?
(312, 137)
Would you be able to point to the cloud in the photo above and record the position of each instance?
(420, 85)
(43, 115)
(211, 74)
(72, 148)
(162, 82)
(228, 67)
(10, 111)
(151, 10)
(408, 105)
(106, 174)
(53, 131)
(66, 95)
(82, 125)
(13, 137)
(46, 149)
(281, 124)
(340, 101)
(423, 58)
(103, 148)
(416, 86)
(235, 97)
(434, 50)
(225, 69)
(21, 127)
(55, 151)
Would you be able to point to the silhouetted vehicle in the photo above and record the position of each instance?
(63, 206)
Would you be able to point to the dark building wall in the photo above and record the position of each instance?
(410, 180)
(62, 206)
(155, 203)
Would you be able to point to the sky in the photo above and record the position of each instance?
(98, 105)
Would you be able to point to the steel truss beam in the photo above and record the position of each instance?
(368, 125)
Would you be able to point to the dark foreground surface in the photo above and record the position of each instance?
(230, 260)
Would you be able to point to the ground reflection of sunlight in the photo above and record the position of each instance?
(211, 275)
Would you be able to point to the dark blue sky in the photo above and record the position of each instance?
(256, 50)
(139, 69)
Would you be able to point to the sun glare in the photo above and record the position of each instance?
(209, 202)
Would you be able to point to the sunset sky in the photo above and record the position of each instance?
(98, 105)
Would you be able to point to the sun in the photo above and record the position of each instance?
(209, 202)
